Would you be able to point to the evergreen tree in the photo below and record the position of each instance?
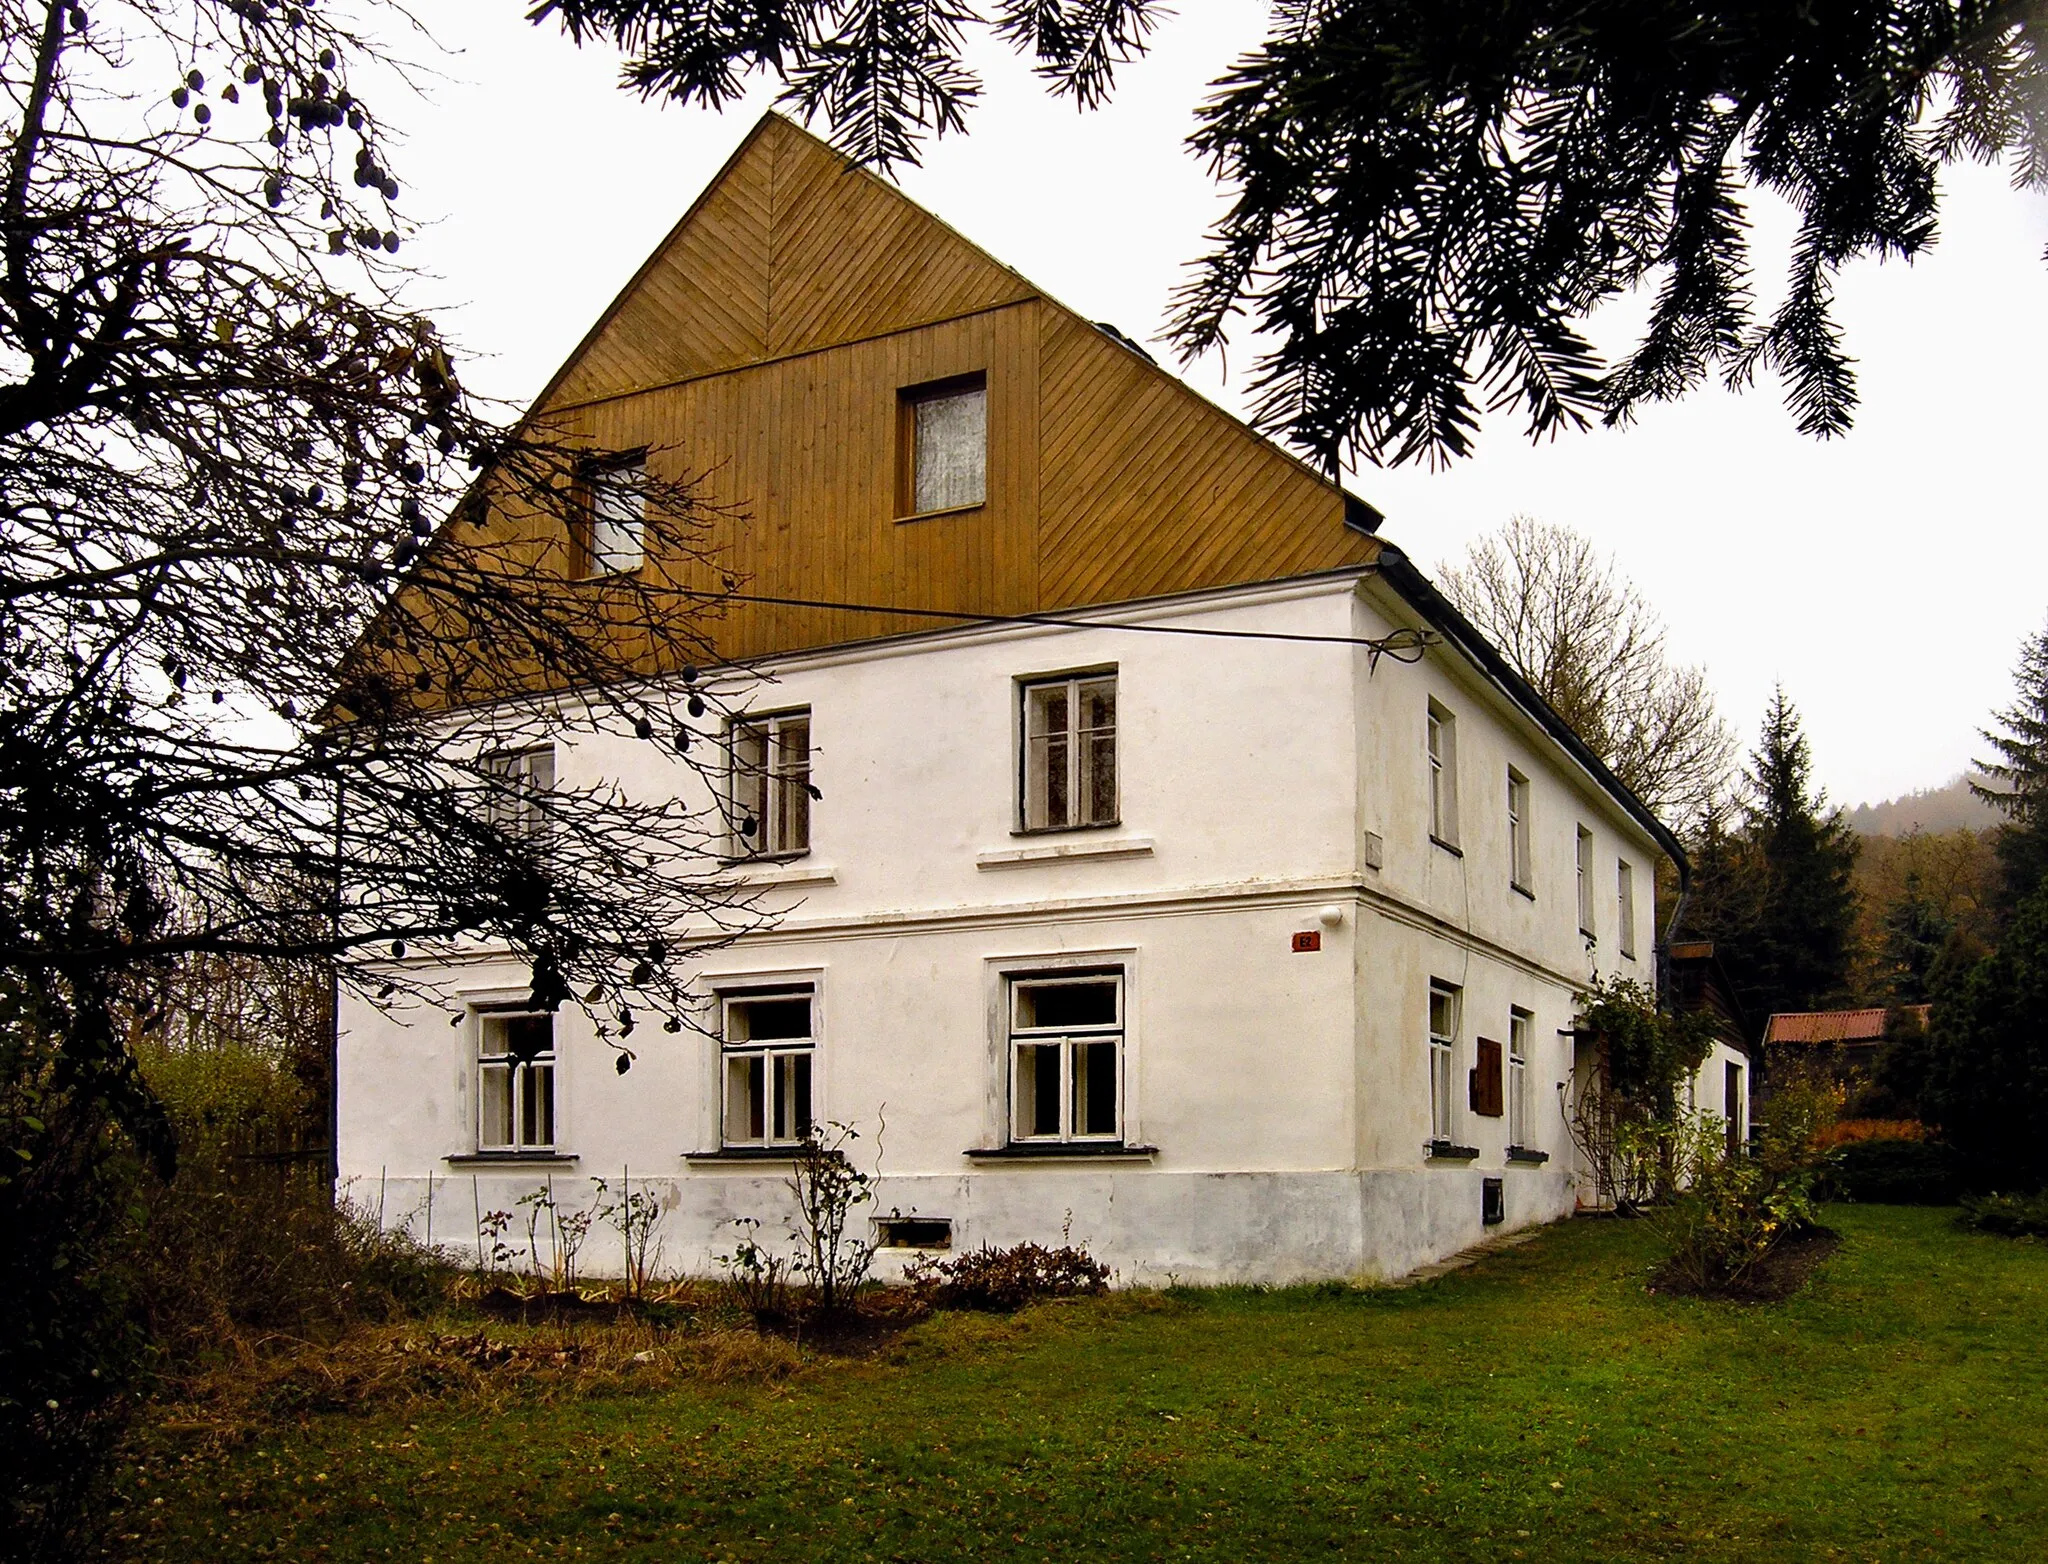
(1915, 934)
(1987, 1078)
(1775, 895)
(2017, 782)
(1799, 956)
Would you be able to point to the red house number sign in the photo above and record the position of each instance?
(1308, 939)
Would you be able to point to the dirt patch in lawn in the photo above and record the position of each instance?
(1789, 1266)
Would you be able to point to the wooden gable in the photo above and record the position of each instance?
(764, 349)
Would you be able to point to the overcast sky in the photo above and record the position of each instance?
(1886, 578)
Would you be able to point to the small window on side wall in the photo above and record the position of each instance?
(1442, 749)
(1518, 830)
(1443, 1042)
(1584, 851)
(1625, 907)
(945, 441)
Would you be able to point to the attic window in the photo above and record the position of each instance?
(945, 438)
(613, 525)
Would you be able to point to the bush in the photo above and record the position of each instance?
(2010, 1216)
(1727, 1213)
(1003, 1280)
(247, 1235)
(1894, 1172)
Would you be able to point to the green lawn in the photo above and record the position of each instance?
(1539, 1406)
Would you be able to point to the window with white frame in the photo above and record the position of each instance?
(1067, 1057)
(771, 784)
(1585, 876)
(946, 430)
(1442, 749)
(1521, 1026)
(1069, 752)
(1625, 906)
(1518, 829)
(769, 1044)
(615, 523)
(1443, 1049)
(515, 1068)
(517, 779)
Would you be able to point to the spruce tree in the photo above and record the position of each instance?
(2017, 782)
(1915, 934)
(1775, 894)
(1987, 1073)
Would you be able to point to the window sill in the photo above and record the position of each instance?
(1450, 847)
(1526, 1157)
(933, 515)
(789, 869)
(468, 1159)
(1521, 890)
(1061, 1150)
(1444, 1151)
(1061, 852)
(741, 1156)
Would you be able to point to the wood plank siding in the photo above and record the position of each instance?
(765, 348)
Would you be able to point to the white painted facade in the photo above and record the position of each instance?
(1275, 1104)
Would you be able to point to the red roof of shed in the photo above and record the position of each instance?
(1832, 1026)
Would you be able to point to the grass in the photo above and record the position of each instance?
(1540, 1406)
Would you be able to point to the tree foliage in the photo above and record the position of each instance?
(1776, 894)
(1593, 647)
(2017, 782)
(240, 648)
(1430, 197)
(254, 677)
(1986, 1073)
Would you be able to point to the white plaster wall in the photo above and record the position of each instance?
(1287, 1093)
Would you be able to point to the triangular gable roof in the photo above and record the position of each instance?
(790, 247)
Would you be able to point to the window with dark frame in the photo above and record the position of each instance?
(1067, 1057)
(771, 793)
(613, 523)
(769, 1045)
(1069, 752)
(945, 439)
(515, 1081)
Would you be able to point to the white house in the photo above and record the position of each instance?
(1163, 905)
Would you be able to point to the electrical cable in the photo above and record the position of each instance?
(1403, 645)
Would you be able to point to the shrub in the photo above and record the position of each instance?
(1849, 1132)
(2010, 1216)
(1003, 1280)
(247, 1236)
(1726, 1212)
(1894, 1172)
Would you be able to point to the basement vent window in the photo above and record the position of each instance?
(914, 1232)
